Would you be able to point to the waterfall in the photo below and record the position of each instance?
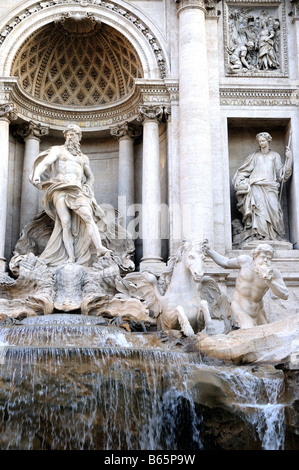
(259, 402)
(70, 382)
(82, 386)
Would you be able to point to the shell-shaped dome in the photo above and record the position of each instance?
(77, 63)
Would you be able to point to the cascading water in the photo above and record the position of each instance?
(259, 404)
(69, 382)
(83, 386)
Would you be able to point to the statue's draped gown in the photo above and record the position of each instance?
(260, 206)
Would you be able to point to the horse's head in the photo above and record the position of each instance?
(193, 256)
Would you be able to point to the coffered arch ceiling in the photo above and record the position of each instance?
(77, 63)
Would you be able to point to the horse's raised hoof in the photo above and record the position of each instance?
(188, 331)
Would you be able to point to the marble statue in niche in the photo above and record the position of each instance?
(256, 276)
(258, 185)
(64, 175)
(254, 40)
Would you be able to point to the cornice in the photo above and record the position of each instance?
(259, 97)
(89, 118)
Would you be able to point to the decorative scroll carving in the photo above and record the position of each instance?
(7, 111)
(150, 112)
(31, 129)
(208, 6)
(126, 129)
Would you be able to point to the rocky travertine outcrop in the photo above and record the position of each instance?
(274, 343)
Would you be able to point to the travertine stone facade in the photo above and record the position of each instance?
(169, 96)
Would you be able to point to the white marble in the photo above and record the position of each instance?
(30, 194)
(4, 139)
(195, 130)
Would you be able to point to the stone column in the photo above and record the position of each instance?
(173, 167)
(31, 133)
(125, 133)
(151, 192)
(194, 125)
(6, 115)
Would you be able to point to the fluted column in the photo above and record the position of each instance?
(6, 115)
(32, 134)
(194, 125)
(125, 133)
(151, 192)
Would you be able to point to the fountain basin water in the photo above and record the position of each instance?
(69, 382)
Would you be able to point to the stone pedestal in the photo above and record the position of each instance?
(276, 244)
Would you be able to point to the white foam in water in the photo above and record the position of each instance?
(119, 339)
(105, 378)
(258, 398)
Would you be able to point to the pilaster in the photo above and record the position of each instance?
(6, 116)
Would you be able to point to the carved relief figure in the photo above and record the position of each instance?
(257, 184)
(256, 276)
(257, 35)
(238, 56)
(267, 55)
(64, 174)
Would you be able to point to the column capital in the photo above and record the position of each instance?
(30, 129)
(150, 112)
(208, 6)
(125, 130)
(7, 112)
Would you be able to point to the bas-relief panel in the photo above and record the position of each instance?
(255, 38)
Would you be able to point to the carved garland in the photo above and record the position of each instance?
(136, 22)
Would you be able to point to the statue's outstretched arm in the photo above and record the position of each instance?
(230, 263)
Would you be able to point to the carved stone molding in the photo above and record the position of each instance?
(114, 7)
(208, 6)
(126, 130)
(259, 97)
(7, 112)
(148, 92)
(255, 42)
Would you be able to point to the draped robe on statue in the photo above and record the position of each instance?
(74, 196)
(260, 206)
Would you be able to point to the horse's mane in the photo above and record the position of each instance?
(186, 245)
